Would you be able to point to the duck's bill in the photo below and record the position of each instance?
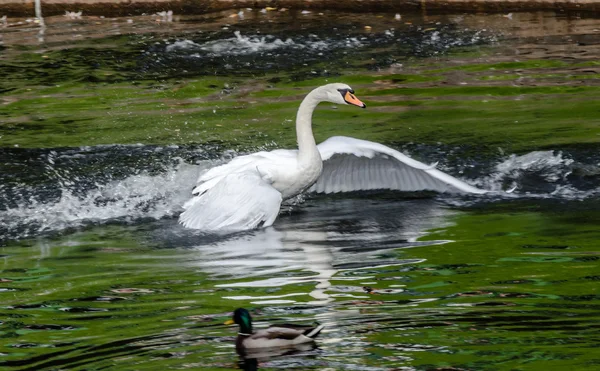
(351, 99)
(229, 322)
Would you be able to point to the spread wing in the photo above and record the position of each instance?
(351, 164)
(238, 201)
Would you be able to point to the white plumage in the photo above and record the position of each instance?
(351, 164)
(247, 192)
(239, 201)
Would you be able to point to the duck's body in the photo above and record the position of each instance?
(276, 336)
(247, 192)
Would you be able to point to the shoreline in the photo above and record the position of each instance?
(25, 8)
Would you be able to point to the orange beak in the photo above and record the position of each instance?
(351, 99)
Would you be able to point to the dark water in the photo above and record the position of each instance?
(96, 274)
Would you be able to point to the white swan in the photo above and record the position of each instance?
(247, 192)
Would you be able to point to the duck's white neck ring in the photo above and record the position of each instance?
(241, 333)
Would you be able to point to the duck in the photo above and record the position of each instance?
(276, 336)
(247, 192)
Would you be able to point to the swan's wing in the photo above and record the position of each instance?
(210, 177)
(352, 165)
(239, 201)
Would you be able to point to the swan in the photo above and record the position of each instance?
(247, 192)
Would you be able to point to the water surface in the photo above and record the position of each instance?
(106, 124)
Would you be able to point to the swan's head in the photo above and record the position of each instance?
(340, 94)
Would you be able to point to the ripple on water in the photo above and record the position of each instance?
(382, 307)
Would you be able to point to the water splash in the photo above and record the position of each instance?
(552, 167)
(245, 45)
(99, 185)
(213, 53)
(428, 41)
(135, 197)
(76, 187)
(543, 174)
(238, 45)
(439, 41)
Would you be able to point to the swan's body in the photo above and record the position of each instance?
(247, 192)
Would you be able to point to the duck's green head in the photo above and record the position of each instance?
(242, 317)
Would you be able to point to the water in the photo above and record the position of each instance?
(104, 138)
(80, 187)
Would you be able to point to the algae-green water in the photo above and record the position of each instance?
(106, 123)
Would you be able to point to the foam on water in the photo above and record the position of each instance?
(27, 209)
(439, 41)
(539, 174)
(432, 42)
(138, 196)
(244, 45)
(244, 50)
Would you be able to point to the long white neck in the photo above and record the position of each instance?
(308, 152)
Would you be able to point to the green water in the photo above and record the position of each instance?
(103, 132)
(507, 290)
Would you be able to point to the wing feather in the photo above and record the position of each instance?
(238, 201)
(352, 165)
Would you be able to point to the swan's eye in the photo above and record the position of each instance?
(344, 91)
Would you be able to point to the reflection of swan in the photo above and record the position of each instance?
(247, 192)
(269, 252)
(307, 250)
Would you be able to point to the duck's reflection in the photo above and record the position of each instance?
(250, 364)
(251, 360)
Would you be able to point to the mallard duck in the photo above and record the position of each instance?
(276, 336)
